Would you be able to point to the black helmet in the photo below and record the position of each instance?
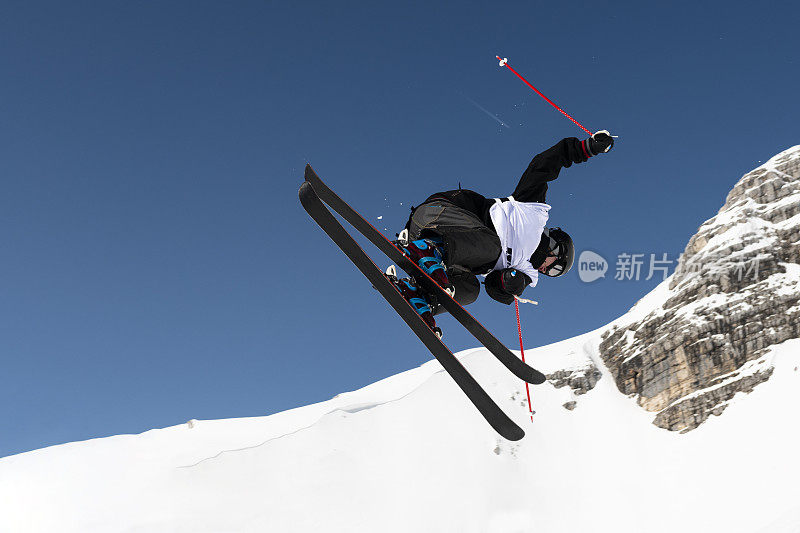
(557, 243)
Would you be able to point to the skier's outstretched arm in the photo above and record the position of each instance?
(546, 166)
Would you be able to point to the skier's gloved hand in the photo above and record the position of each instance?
(599, 143)
(503, 285)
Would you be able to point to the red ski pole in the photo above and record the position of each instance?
(504, 63)
(522, 353)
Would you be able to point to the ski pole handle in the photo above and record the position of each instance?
(523, 300)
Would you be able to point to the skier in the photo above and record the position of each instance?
(455, 235)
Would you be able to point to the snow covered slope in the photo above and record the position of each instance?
(410, 454)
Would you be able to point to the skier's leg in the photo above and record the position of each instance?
(466, 241)
(466, 284)
(466, 244)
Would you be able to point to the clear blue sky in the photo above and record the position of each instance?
(157, 266)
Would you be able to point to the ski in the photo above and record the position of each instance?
(470, 323)
(477, 395)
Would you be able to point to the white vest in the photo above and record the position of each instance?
(519, 226)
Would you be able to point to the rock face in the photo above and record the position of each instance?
(734, 293)
(581, 379)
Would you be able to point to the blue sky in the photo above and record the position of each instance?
(158, 267)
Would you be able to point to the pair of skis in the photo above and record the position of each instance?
(313, 192)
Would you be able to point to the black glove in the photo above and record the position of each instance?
(599, 143)
(503, 285)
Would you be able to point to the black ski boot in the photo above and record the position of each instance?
(420, 301)
(427, 254)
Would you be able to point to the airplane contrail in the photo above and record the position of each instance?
(479, 106)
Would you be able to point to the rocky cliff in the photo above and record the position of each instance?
(734, 293)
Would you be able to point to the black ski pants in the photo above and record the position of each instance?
(470, 247)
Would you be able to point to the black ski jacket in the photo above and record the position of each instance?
(532, 186)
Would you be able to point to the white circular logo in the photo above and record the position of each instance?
(591, 266)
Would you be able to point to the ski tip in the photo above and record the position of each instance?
(304, 189)
(309, 172)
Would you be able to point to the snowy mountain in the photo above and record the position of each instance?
(410, 453)
(734, 294)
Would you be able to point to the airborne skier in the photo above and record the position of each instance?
(450, 238)
(455, 235)
(313, 192)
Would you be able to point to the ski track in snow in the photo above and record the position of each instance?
(352, 409)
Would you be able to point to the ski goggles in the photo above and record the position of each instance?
(559, 266)
(555, 270)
